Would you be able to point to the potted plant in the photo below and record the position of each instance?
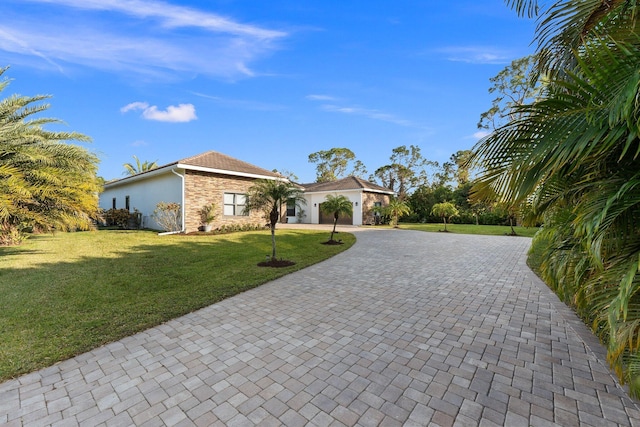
(207, 216)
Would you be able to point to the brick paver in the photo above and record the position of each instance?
(405, 328)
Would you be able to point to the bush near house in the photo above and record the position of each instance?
(122, 218)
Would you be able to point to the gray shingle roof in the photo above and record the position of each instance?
(222, 162)
(212, 160)
(348, 183)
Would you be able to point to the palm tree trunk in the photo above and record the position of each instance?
(273, 219)
(335, 221)
(273, 241)
(444, 218)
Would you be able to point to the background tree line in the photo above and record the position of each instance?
(418, 182)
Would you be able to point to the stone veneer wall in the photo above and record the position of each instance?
(203, 188)
(368, 200)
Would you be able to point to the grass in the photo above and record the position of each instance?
(65, 294)
(489, 230)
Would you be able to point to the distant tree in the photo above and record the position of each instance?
(396, 209)
(333, 164)
(269, 195)
(514, 86)
(138, 166)
(406, 171)
(336, 206)
(287, 174)
(445, 211)
(46, 183)
(462, 161)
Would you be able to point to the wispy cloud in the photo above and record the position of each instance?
(476, 54)
(480, 134)
(358, 111)
(242, 104)
(321, 98)
(371, 114)
(168, 40)
(181, 113)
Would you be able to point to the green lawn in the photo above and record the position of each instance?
(64, 294)
(490, 230)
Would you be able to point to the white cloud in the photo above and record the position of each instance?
(134, 106)
(168, 41)
(480, 134)
(477, 54)
(174, 114)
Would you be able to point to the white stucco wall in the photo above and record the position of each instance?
(144, 194)
(314, 199)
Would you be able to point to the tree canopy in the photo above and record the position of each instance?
(46, 183)
(406, 171)
(333, 164)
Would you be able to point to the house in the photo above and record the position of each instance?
(213, 177)
(194, 182)
(364, 196)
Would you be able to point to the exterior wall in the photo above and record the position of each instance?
(368, 202)
(144, 195)
(312, 208)
(203, 188)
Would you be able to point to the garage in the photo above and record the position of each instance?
(328, 218)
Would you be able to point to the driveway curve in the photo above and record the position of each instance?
(405, 328)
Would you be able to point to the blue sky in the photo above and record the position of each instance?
(268, 82)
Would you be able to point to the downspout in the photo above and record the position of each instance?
(182, 214)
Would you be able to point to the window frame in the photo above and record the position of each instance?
(238, 209)
(291, 207)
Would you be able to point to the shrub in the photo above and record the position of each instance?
(168, 216)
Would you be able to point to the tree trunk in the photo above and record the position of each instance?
(335, 221)
(273, 241)
(273, 218)
(444, 218)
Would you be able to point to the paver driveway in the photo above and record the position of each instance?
(405, 328)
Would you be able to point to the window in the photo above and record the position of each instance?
(234, 204)
(377, 206)
(113, 203)
(126, 203)
(291, 207)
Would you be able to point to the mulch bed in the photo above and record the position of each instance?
(332, 242)
(276, 263)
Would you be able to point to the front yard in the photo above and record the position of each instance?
(64, 294)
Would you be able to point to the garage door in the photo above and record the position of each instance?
(328, 218)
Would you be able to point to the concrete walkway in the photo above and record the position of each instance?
(405, 328)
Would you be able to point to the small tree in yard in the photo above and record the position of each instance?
(269, 196)
(444, 210)
(396, 209)
(336, 205)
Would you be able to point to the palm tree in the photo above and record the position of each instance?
(336, 206)
(395, 209)
(46, 184)
(444, 210)
(138, 167)
(573, 157)
(269, 196)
